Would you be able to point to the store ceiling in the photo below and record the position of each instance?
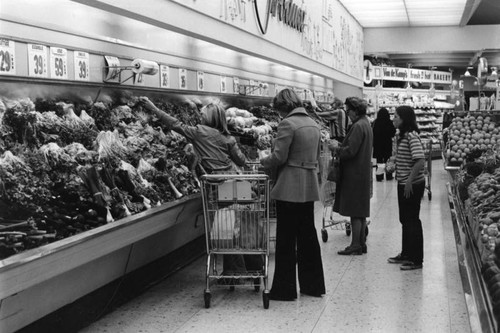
(429, 13)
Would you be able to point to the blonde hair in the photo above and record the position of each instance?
(213, 115)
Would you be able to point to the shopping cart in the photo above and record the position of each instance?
(428, 167)
(236, 215)
(330, 218)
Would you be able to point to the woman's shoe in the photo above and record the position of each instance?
(357, 251)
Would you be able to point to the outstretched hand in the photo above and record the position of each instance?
(148, 105)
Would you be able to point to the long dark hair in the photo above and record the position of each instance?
(383, 116)
(409, 120)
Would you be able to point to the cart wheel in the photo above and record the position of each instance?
(265, 299)
(366, 231)
(348, 229)
(207, 297)
(324, 235)
(256, 284)
(429, 195)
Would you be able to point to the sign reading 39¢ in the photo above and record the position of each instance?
(82, 66)
(7, 57)
(58, 63)
(37, 60)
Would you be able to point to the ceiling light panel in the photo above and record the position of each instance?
(435, 13)
(380, 13)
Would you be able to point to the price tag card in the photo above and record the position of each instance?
(201, 80)
(58, 63)
(252, 87)
(82, 66)
(223, 86)
(37, 60)
(139, 79)
(182, 78)
(164, 76)
(7, 57)
(236, 85)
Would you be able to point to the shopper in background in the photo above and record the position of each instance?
(218, 151)
(339, 121)
(352, 196)
(411, 185)
(295, 156)
(383, 133)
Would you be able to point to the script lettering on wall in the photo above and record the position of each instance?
(285, 11)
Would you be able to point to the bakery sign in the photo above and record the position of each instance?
(405, 74)
(285, 11)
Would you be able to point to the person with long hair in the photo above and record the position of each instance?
(352, 197)
(383, 133)
(295, 155)
(410, 161)
(218, 151)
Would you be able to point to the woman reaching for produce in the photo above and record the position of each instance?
(218, 151)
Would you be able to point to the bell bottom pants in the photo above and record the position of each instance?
(409, 216)
(297, 245)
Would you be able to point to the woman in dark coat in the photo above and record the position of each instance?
(383, 132)
(353, 190)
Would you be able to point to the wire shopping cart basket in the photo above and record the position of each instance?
(236, 215)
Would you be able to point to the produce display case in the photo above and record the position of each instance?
(472, 160)
(39, 281)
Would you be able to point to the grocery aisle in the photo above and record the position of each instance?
(364, 293)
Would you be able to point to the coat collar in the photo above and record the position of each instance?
(297, 111)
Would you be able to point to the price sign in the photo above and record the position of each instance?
(201, 80)
(7, 57)
(182, 78)
(82, 66)
(164, 76)
(37, 60)
(223, 85)
(58, 63)
(236, 85)
(251, 83)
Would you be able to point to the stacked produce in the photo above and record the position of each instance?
(471, 132)
(66, 168)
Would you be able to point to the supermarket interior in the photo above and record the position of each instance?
(109, 222)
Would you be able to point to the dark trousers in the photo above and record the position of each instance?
(409, 216)
(297, 245)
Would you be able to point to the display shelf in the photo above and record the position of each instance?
(477, 297)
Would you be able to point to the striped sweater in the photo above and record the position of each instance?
(409, 150)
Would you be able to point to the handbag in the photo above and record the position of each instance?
(334, 170)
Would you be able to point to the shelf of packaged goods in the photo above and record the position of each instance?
(40, 281)
(469, 255)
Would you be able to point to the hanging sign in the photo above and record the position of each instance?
(164, 76)
(201, 80)
(7, 57)
(223, 85)
(182, 78)
(37, 60)
(409, 75)
(58, 63)
(82, 66)
(236, 85)
(367, 71)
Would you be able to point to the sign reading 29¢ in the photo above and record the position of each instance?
(37, 60)
(7, 57)
(58, 63)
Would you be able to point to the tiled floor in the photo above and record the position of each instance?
(364, 293)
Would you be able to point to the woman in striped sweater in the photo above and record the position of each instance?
(411, 185)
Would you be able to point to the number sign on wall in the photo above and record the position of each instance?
(7, 57)
(37, 60)
(82, 66)
(58, 63)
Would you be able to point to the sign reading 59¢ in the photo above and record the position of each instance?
(37, 60)
(82, 66)
(7, 57)
(58, 63)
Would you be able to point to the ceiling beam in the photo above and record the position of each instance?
(469, 10)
